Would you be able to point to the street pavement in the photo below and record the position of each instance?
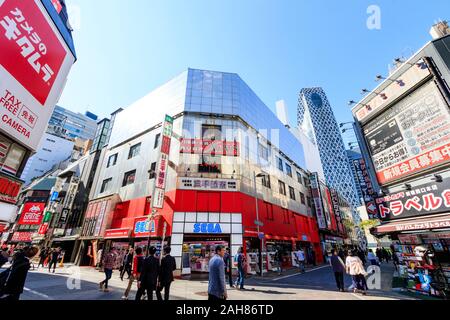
(74, 283)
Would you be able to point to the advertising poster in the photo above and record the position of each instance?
(34, 64)
(412, 136)
(425, 199)
(32, 213)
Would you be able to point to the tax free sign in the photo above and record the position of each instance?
(34, 64)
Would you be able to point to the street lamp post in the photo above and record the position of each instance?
(258, 223)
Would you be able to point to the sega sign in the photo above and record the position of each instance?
(143, 227)
(207, 228)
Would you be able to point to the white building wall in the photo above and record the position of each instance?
(51, 151)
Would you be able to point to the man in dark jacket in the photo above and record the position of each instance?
(17, 274)
(42, 256)
(126, 264)
(168, 266)
(338, 268)
(228, 266)
(149, 276)
(53, 259)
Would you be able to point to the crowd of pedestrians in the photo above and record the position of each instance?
(353, 262)
(151, 274)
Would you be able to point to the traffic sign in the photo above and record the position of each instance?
(259, 223)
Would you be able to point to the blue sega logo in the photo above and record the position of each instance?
(207, 228)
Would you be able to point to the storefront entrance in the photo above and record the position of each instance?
(198, 250)
(195, 236)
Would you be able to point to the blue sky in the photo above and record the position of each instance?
(127, 48)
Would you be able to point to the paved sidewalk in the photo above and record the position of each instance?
(44, 286)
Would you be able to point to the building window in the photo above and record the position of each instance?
(302, 198)
(129, 178)
(112, 160)
(289, 170)
(292, 193)
(157, 138)
(263, 152)
(308, 199)
(299, 178)
(282, 188)
(280, 164)
(266, 181)
(134, 151)
(106, 184)
(306, 181)
(152, 171)
(269, 211)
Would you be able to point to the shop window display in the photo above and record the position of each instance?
(196, 255)
(425, 265)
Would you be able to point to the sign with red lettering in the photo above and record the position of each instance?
(34, 64)
(9, 189)
(117, 233)
(209, 147)
(32, 213)
(21, 237)
(425, 199)
(411, 136)
(163, 164)
(43, 228)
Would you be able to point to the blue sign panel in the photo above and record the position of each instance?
(207, 228)
(54, 196)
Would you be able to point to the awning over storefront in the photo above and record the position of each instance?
(417, 224)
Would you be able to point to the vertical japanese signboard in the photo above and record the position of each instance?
(315, 192)
(163, 164)
(366, 187)
(34, 64)
(337, 210)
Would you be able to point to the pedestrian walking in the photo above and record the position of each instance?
(54, 255)
(379, 255)
(12, 280)
(168, 266)
(372, 258)
(300, 255)
(278, 258)
(338, 267)
(355, 268)
(217, 290)
(108, 266)
(42, 256)
(313, 257)
(126, 264)
(227, 259)
(386, 255)
(148, 280)
(4, 256)
(138, 261)
(396, 260)
(99, 258)
(239, 259)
